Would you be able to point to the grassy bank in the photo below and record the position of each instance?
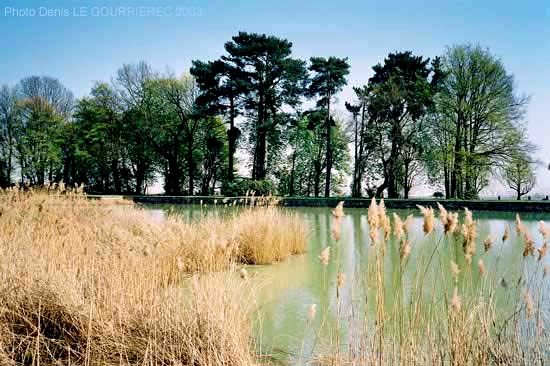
(88, 283)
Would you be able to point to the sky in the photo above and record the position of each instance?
(80, 42)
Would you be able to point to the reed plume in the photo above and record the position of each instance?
(398, 228)
(337, 217)
(374, 221)
(481, 267)
(428, 213)
(404, 248)
(542, 250)
(455, 301)
(488, 243)
(506, 234)
(455, 270)
(520, 228)
(544, 231)
(529, 248)
(324, 258)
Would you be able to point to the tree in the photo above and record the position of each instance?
(519, 174)
(50, 90)
(303, 171)
(179, 97)
(272, 80)
(223, 88)
(8, 122)
(362, 143)
(411, 168)
(481, 114)
(39, 138)
(138, 116)
(213, 153)
(102, 146)
(328, 79)
(401, 93)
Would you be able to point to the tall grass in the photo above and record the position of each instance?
(85, 283)
(450, 308)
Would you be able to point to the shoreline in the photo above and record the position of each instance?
(476, 205)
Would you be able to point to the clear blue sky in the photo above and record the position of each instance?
(82, 49)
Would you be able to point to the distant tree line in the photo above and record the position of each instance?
(454, 121)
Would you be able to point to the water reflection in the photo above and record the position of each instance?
(287, 289)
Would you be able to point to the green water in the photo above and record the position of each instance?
(288, 289)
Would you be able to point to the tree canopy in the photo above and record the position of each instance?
(259, 118)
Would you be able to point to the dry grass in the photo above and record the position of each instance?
(281, 236)
(84, 283)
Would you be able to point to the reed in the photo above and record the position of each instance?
(465, 314)
(87, 283)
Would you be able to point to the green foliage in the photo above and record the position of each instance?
(223, 87)
(328, 79)
(304, 171)
(478, 123)
(272, 80)
(40, 135)
(400, 94)
(449, 121)
(9, 117)
(439, 195)
(240, 186)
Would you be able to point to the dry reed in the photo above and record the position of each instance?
(85, 283)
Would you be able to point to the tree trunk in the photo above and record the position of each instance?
(329, 150)
(50, 173)
(308, 190)
(392, 180)
(190, 167)
(291, 183)
(260, 171)
(406, 186)
(140, 178)
(204, 187)
(116, 175)
(447, 182)
(317, 179)
(231, 140)
(173, 176)
(10, 153)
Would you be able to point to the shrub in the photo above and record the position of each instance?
(240, 186)
(438, 195)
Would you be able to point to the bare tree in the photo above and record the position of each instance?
(519, 174)
(50, 90)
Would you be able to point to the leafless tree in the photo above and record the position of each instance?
(519, 174)
(50, 90)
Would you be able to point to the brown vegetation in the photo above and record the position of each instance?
(84, 283)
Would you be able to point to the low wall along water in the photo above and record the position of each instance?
(479, 205)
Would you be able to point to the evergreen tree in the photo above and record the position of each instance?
(328, 79)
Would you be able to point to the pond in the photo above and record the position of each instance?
(288, 289)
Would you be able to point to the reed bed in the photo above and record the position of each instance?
(85, 283)
(449, 309)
